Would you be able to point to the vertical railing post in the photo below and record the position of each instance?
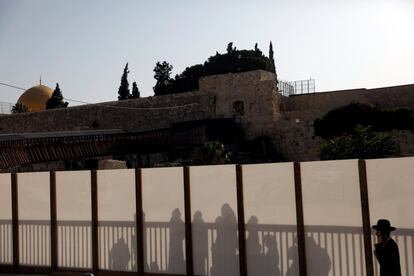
(94, 205)
(365, 217)
(53, 223)
(241, 222)
(188, 229)
(139, 233)
(300, 220)
(15, 222)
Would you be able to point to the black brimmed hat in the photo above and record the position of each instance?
(383, 225)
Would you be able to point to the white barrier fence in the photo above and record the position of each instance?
(332, 216)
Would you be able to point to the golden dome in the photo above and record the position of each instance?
(36, 97)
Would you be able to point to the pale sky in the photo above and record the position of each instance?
(84, 44)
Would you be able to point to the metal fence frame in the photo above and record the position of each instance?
(288, 88)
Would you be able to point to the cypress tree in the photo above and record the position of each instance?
(135, 91)
(272, 60)
(123, 90)
(56, 101)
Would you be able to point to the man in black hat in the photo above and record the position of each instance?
(386, 250)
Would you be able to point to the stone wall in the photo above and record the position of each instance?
(387, 97)
(294, 132)
(215, 98)
(135, 114)
(249, 97)
(295, 138)
(257, 93)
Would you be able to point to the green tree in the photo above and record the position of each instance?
(56, 101)
(342, 120)
(362, 143)
(214, 152)
(230, 48)
(257, 51)
(135, 91)
(272, 59)
(123, 90)
(188, 79)
(19, 108)
(162, 72)
(231, 62)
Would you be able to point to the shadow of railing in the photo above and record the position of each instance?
(343, 245)
(6, 244)
(34, 242)
(271, 249)
(117, 245)
(74, 244)
(156, 246)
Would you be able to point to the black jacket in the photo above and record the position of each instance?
(388, 258)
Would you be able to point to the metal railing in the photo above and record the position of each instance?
(5, 108)
(288, 88)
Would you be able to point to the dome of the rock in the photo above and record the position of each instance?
(36, 97)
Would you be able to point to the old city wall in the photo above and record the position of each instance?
(295, 132)
(289, 121)
(215, 99)
(387, 97)
(255, 91)
(135, 114)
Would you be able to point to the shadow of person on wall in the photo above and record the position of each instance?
(254, 249)
(317, 260)
(154, 267)
(119, 256)
(292, 254)
(176, 261)
(200, 248)
(224, 249)
(271, 257)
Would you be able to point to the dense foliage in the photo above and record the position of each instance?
(362, 143)
(233, 61)
(56, 101)
(214, 152)
(343, 120)
(19, 108)
(162, 72)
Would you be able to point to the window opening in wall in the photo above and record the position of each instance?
(238, 108)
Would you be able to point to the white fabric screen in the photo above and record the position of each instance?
(333, 218)
(391, 196)
(116, 220)
(33, 191)
(270, 216)
(214, 225)
(6, 233)
(73, 204)
(164, 228)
